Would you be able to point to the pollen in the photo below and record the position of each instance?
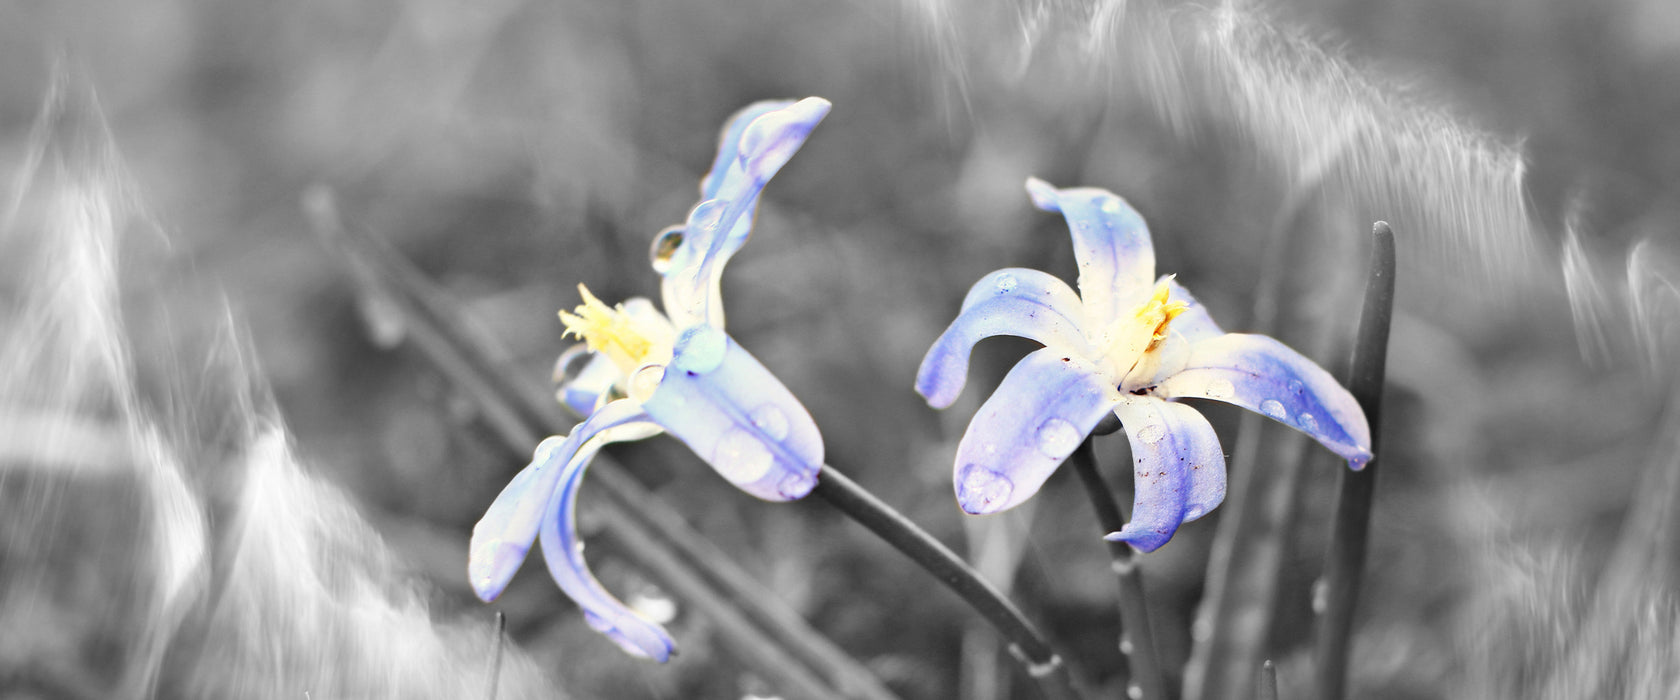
(1158, 312)
(608, 330)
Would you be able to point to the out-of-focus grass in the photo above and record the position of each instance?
(514, 149)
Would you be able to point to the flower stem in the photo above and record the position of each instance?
(1350, 533)
(1041, 662)
(1137, 639)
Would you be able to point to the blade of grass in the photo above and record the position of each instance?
(1350, 530)
(777, 642)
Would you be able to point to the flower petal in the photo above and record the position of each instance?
(563, 552)
(722, 221)
(1045, 406)
(1265, 376)
(735, 414)
(1178, 469)
(729, 144)
(504, 535)
(1110, 242)
(1013, 301)
(584, 379)
(1194, 324)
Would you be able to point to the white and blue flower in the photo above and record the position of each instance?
(641, 373)
(1129, 344)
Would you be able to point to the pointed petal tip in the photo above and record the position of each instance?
(1144, 541)
(1043, 194)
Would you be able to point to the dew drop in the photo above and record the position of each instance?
(740, 456)
(796, 485)
(1220, 389)
(1057, 438)
(1296, 387)
(1274, 408)
(1151, 433)
(1126, 645)
(981, 490)
(646, 381)
(1111, 206)
(699, 349)
(1134, 691)
(1007, 283)
(1308, 423)
(772, 421)
(665, 247)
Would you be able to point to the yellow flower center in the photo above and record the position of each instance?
(1158, 312)
(609, 330)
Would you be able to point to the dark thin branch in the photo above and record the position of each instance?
(1137, 637)
(1350, 533)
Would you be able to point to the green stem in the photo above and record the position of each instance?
(1350, 534)
(1137, 638)
(1041, 662)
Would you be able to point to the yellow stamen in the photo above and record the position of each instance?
(608, 330)
(1158, 312)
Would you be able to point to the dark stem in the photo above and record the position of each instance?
(1350, 533)
(496, 656)
(1137, 638)
(1041, 662)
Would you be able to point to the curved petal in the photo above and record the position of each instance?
(729, 144)
(504, 535)
(1013, 301)
(721, 223)
(737, 416)
(584, 380)
(1045, 406)
(1194, 324)
(1265, 376)
(1111, 243)
(1178, 469)
(563, 552)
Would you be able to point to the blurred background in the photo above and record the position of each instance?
(225, 473)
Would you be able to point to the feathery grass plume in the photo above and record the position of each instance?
(118, 464)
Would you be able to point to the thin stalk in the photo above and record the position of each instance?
(1041, 662)
(1137, 637)
(496, 655)
(774, 640)
(1350, 533)
(1268, 681)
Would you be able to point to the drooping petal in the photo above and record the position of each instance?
(1045, 406)
(503, 537)
(721, 223)
(1265, 376)
(1178, 469)
(1194, 324)
(1013, 301)
(735, 414)
(563, 553)
(729, 144)
(1110, 242)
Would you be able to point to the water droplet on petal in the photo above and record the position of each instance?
(740, 456)
(1308, 422)
(1296, 387)
(665, 247)
(981, 490)
(1220, 389)
(646, 381)
(699, 349)
(1007, 283)
(1057, 438)
(1274, 408)
(795, 486)
(1111, 206)
(772, 421)
(1151, 433)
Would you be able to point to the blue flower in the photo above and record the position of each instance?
(1130, 344)
(641, 373)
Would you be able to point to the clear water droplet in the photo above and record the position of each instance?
(1151, 433)
(740, 456)
(1126, 646)
(772, 421)
(1297, 388)
(1134, 691)
(1007, 283)
(1057, 438)
(1274, 408)
(1220, 389)
(646, 381)
(699, 349)
(1308, 422)
(796, 485)
(665, 247)
(981, 490)
(1111, 206)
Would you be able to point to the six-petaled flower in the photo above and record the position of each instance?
(1129, 344)
(641, 372)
